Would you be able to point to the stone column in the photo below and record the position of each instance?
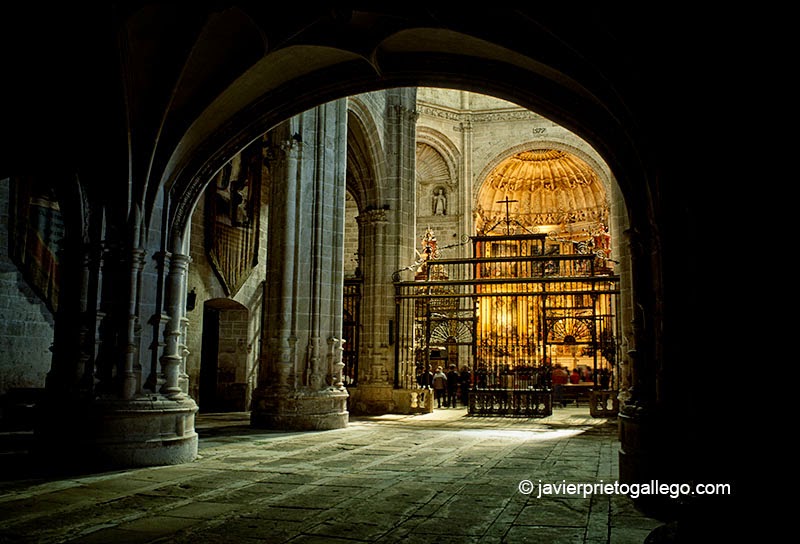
(297, 383)
(132, 372)
(373, 345)
(183, 378)
(466, 183)
(72, 368)
(116, 422)
(172, 357)
(276, 373)
(640, 430)
(625, 318)
(388, 229)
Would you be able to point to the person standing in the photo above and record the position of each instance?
(452, 387)
(425, 379)
(439, 386)
(425, 383)
(560, 378)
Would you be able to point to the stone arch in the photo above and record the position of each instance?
(279, 86)
(437, 170)
(265, 95)
(295, 78)
(570, 69)
(365, 169)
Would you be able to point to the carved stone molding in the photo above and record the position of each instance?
(484, 117)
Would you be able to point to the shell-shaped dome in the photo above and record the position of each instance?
(431, 166)
(546, 186)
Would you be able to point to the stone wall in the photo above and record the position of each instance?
(26, 324)
(351, 258)
(241, 327)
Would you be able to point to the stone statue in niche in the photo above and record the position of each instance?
(440, 203)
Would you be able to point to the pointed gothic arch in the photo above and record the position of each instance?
(365, 169)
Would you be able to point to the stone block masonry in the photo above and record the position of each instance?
(26, 330)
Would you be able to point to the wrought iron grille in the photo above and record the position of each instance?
(351, 330)
(510, 314)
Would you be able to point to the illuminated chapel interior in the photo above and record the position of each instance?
(500, 258)
(515, 279)
(446, 227)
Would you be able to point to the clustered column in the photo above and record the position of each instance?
(375, 311)
(299, 377)
(97, 409)
(173, 356)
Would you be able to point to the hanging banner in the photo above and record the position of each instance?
(36, 229)
(233, 201)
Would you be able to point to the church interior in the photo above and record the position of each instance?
(294, 214)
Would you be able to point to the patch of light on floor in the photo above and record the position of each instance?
(539, 434)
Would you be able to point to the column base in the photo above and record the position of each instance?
(372, 399)
(299, 410)
(148, 431)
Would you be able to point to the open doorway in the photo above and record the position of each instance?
(223, 384)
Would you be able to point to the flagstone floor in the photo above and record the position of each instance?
(443, 477)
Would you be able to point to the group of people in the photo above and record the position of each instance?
(452, 387)
(447, 387)
(560, 377)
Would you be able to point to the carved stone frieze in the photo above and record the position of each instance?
(479, 117)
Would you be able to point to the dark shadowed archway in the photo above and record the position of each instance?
(170, 92)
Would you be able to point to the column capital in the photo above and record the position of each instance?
(370, 217)
(278, 151)
(404, 112)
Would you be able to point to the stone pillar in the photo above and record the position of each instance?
(466, 183)
(172, 357)
(388, 230)
(625, 319)
(132, 372)
(643, 434)
(183, 378)
(298, 385)
(111, 420)
(74, 344)
(374, 354)
(277, 364)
